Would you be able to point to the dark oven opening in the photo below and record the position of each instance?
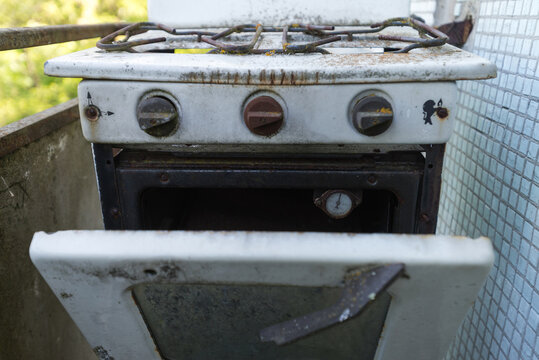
(259, 210)
(394, 192)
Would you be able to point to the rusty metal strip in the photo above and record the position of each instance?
(19, 38)
(20, 133)
(360, 289)
(105, 169)
(430, 197)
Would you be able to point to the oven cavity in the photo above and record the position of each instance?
(394, 192)
(264, 210)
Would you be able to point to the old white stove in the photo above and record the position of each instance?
(282, 154)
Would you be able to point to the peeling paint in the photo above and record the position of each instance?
(102, 354)
(345, 314)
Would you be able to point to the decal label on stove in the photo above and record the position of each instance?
(429, 110)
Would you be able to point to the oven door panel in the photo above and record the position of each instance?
(115, 285)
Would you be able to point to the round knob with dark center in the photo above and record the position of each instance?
(157, 116)
(372, 115)
(263, 116)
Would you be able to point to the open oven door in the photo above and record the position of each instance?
(263, 295)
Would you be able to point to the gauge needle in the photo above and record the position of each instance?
(338, 202)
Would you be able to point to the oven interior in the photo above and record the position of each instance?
(259, 210)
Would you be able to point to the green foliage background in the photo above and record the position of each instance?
(24, 89)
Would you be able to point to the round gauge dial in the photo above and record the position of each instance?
(337, 203)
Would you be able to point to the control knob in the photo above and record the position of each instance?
(263, 115)
(372, 115)
(157, 116)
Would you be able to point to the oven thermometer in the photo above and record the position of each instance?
(338, 204)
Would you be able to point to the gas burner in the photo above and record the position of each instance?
(322, 34)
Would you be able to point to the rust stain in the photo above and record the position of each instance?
(442, 113)
(370, 66)
(304, 78)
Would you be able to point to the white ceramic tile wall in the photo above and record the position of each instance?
(491, 182)
(424, 9)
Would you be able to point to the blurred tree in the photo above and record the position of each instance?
(24, 89)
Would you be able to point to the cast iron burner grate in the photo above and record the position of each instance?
(428, 37)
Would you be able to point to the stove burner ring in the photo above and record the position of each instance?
(429, 37)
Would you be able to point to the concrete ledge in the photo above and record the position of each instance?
(33, 127)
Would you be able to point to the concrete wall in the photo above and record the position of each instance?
(47, 185)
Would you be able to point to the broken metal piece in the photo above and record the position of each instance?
(458, 31)
(360, 289)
